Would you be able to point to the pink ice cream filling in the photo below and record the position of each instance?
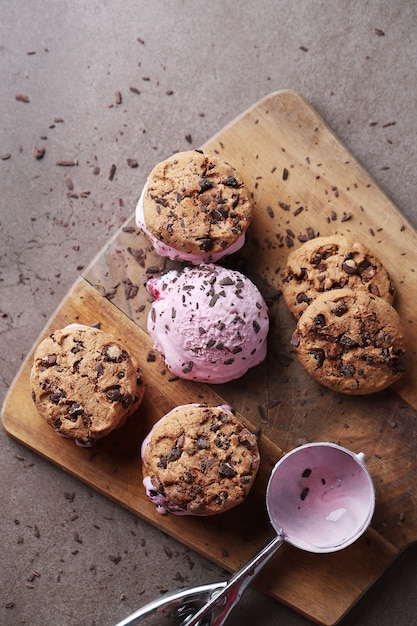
(174, 254)
(210, 324)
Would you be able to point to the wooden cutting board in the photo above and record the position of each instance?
(304, 182)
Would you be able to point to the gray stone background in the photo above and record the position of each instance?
(184, 69)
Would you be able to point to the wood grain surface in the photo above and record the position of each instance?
(304, 183)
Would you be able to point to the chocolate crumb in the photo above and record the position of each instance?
(67, 163)
(115, 559)
(112, 171)
(38, 153)
(138, 255)
(131, 290)
(68, 183)
(20, 97)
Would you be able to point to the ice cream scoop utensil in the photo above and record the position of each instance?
(320, 498)
(181, 602)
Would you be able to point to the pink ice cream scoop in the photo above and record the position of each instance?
(209, 323)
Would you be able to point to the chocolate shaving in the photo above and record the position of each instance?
(20, 97)
(112, 171)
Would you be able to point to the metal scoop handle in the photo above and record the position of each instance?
(221, 603)
(180, 598)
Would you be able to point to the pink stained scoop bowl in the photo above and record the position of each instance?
(320, 497)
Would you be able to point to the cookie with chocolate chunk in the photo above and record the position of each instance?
(85, 383)
(335, 262)
(199, 460)
(351, 341)
(195, 207)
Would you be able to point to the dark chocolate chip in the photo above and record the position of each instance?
(203, 443)
(319, 320)
(227, 470)
(56, 396)
(188, 368)
(226, 281)
(230, 181)
(301, 298)
(174, 454)
(75, 409)
(348, 342)
(113, 394)
(222, 441)
(349, 266)
(114, 354)
(127, 400)
(347, 369)
(256, 326)
(319, 356)
(367, 271)
(162, 463)
(49, 360)
(205, 183)
(205, 244)
(340, 309)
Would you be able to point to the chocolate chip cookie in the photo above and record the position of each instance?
(199, 460)
(351, 341)
(335, 262)
(85, 383)
(197, 204)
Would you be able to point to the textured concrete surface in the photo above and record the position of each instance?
(184, 69)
